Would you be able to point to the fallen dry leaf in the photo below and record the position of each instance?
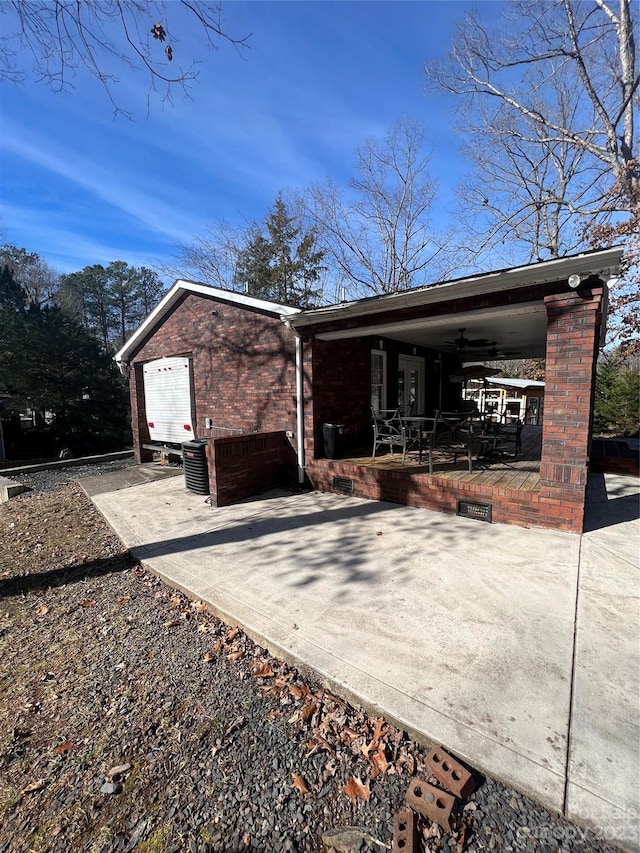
(176, 601)
(38, 785)
(379, 727)
(261, 669)
(462, 835)
(119, 769)
(355, 790)
(367, 747)
(123, 600)
(209, 656)
(88, 602)
(379, 759)
(200, 606)
(318, 742)
(273, 714)
(42, 610)
(329, 697)
(299, 784)
(172, 623)
(235, 655)
(348, 735)
(307, 711)
(231, 633)
(65, 747)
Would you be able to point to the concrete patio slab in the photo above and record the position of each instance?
(604, 760)
(462, 632)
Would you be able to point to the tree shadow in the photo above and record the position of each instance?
(25, 584)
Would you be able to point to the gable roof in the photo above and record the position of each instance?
(178, 290)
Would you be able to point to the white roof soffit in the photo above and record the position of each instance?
(178, 289)
(530, 315)
(604, 263)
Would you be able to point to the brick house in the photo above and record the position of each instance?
(279, 374)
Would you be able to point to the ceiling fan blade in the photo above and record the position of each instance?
(463, 343)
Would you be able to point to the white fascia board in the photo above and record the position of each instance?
(604, 263)
(177, 290)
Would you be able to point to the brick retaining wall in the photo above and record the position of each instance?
(244, 465)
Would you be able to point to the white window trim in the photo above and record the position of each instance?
(384, 374)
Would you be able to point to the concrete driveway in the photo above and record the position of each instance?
(516, 649)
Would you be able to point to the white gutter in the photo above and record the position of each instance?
(299, 400)
(604, 263)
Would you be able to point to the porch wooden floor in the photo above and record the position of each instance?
(521, 473)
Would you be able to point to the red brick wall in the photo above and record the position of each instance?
(573, 334)
(338, 387)
(244, 465)
(440, 494)
(243, 365)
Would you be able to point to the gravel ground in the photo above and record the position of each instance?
(52, 479)
(132, 719)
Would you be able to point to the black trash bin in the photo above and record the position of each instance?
(332, 436)
(194, 462)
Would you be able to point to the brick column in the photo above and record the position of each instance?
(573, 334)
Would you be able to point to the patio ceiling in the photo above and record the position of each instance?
(520, 328)
(515, 327)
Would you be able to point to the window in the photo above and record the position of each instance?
(378, 380)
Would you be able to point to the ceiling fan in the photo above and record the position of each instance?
(494, 352)
(466, 343)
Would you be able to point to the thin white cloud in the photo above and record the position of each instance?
(116, 189)
(65, 248)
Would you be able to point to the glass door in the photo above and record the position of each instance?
(411, 384)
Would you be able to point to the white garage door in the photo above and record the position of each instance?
(167, 398)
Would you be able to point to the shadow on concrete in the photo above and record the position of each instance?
(610, 504)
(25, 584)
(353, 540)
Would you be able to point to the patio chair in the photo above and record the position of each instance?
(509, 432)
(388, 430)
(452, 434)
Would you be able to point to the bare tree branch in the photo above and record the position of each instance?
(54, 40)
(378, 233)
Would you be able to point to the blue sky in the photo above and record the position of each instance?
(79, 187)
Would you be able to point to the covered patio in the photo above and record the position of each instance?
(405, 348)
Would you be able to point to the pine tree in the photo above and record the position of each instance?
(283, 264)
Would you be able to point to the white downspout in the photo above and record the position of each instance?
(299, 401)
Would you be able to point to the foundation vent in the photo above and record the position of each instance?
(343, 484)
(470, 509)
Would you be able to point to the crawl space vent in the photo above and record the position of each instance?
(470, 509)
(343, 484)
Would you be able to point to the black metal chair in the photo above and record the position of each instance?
(389, 431)
(452, 434)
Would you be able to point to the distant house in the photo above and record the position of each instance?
(509, 399)
(258, 382)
